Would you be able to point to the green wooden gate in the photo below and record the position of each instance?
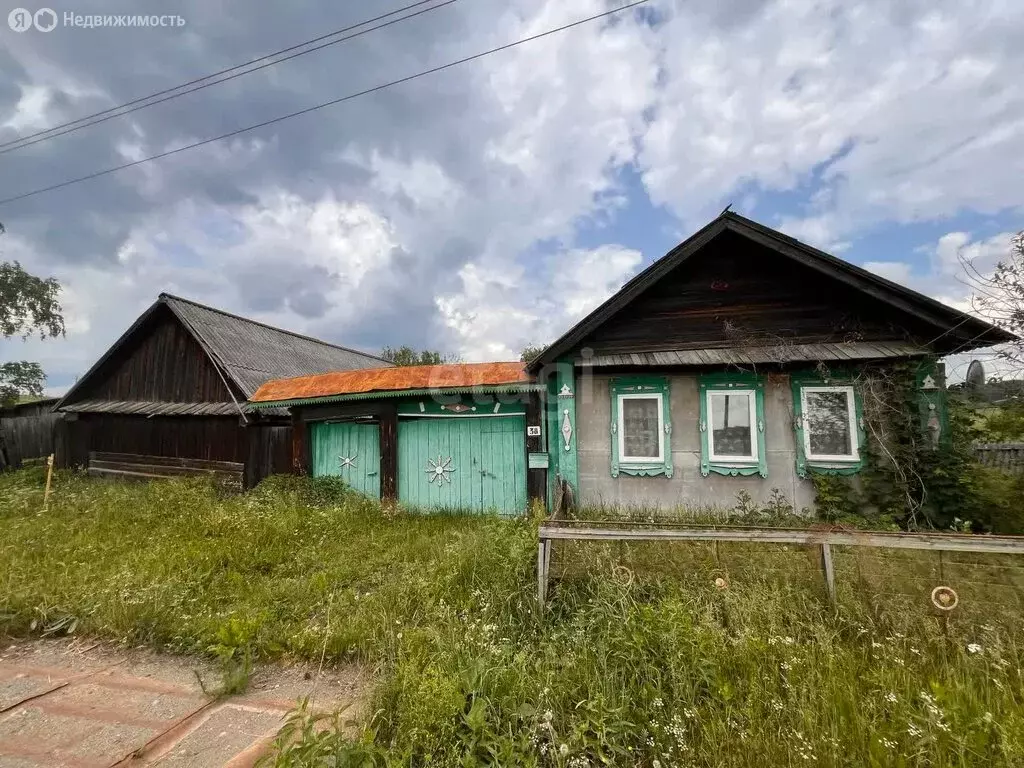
(476, 463)
(348, 450)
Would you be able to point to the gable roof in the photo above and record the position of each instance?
(247, 352)
(384, 382)
(971, 331)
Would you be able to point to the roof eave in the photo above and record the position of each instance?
(484, 389)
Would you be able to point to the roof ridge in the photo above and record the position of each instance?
(164, 296)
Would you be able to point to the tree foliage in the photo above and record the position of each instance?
(28, 306)
(408, 356)
(530, 351)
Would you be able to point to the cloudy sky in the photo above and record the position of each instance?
(491, 205)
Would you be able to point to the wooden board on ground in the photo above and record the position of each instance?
(140, 467)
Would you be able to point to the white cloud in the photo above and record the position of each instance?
(495, 315)
(907, 112)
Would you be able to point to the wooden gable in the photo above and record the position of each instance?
(160, 361)
(737, 293)
(736, 284)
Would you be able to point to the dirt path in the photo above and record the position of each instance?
(86, 705)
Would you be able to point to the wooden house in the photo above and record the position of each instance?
(731, 364)
(740, 361)
(170, 395)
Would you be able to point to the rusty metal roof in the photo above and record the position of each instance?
(390, 381)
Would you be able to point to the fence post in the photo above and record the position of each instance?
(49, 479)
(826, 567)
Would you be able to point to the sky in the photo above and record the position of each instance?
(491, 205)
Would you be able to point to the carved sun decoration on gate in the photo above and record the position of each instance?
(346, 461)
(440, 470)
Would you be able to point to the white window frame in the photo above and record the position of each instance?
(851, 415)
(752, 457)
(621, 428)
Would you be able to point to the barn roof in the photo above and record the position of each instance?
(385, 382)
(247, 352)
(958, 330)
(252, 353)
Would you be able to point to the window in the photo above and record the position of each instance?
(732, 424)
(828, 426)
(641, 427)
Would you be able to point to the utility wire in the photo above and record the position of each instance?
(207, 81)
(316, 107)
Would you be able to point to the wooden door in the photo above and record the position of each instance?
(349, 450)
(463, 463)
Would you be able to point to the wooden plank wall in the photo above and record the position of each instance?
(263, 449)
(736, 293)
(26, 433)
(166, 365)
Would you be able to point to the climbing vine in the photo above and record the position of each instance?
(907, 480)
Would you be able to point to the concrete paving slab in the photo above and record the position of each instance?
(226, 733)
(83, 704)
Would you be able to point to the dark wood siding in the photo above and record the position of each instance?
(26, 432)
(166, 364)
(736, 293)
(264, 449)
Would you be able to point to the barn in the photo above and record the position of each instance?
(169, 397)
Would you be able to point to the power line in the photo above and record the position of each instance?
(316, 107)
(120, 111)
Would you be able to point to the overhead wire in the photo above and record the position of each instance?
(208, 81)
(322, 105)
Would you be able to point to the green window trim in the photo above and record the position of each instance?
(634, 386)
(806, 465)
(732, 382)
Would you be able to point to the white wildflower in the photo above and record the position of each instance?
(563, 750)
(974, 648)
(549, 716)
(891, 698)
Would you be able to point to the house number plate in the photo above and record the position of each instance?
(533, 431)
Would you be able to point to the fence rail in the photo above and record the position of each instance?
(825, 540)
(1008, 457)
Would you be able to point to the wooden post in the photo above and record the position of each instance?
(541, 582)
(826, 566)
(389, 451)
(49, 480)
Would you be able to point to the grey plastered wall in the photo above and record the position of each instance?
(687, 487)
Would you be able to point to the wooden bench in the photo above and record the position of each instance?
(139, 467)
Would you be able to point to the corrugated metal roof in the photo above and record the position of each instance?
(758, 355)
(404, 378)
(253, 352)
(152, 408)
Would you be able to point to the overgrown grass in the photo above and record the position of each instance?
(642, 659)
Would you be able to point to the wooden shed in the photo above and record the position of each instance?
(175, 385)
(457, 436)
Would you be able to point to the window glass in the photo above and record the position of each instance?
(640, 426)
(829, 432)
(731, 432)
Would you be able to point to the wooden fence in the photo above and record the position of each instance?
(1008, 457)
(26, 432)
(824, 540)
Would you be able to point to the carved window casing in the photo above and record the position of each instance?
(641, 426)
